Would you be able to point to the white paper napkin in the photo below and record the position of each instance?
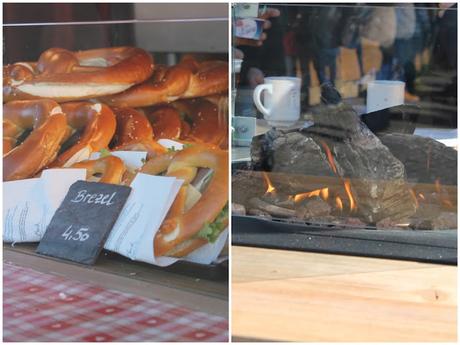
(29, 205)
(171, 144)
(145, 210)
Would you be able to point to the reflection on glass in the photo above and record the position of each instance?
(375, 146)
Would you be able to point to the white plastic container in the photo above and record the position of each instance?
(383, 94)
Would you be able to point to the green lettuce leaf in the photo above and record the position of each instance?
(104, 153)
(211, 232)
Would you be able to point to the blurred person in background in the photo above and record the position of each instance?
(263, 55)
(445, 49)
(257, 56)
(318, 38)
(404, 49)
(381, 28)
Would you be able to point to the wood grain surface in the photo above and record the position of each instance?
(298, 296)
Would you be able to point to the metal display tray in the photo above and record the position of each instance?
(217, 271)
(435, 246)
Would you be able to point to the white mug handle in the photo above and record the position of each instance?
(256, 97)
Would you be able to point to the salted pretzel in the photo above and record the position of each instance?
(188, 79)
(221, 102)
(207, 126)
(166, 122)
(192, 120)
(134, 133)
(97, 123)
(48, 126)
(63, 75)
(110, 168)
(177, 234)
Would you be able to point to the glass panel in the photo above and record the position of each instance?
(196, 36)
(26, 43)
(373, 143)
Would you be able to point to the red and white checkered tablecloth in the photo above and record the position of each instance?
(47, 308)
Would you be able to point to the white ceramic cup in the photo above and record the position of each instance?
(383, 94)
(281, 105)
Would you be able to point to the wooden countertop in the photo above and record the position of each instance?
(298, 296)
(113, 271)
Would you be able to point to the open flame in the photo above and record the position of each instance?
(270, 187)
(347, 186)
(339, 203)
(323, 193)
(344, 199)
(443, 195)
(330, 158)
(414, 197)
(346, 182)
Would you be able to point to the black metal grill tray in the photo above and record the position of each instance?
(439, 246)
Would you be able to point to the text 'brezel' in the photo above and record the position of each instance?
(84, 197)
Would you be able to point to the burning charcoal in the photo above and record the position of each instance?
(245, 185)
(259, 213)
(261, 148)
(312, 207)
(424, 159)
(295, 162)
(340, 119)
(324, 220)
(341, 149)
(238, 209)
(278, 199)
(258, 156)
(428, 211)
(288, 152)
(273, 210)
(355, 222)
(376, 179)
(445, 221)
(389, 224)
(295, 153)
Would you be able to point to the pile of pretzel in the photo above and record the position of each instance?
(68, 105)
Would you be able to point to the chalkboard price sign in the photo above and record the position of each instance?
(80, 226)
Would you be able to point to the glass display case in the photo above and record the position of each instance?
(345, 130)
(177, 37)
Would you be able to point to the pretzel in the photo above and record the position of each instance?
(49, 128)
(63, 75)
(195, 120)
(166, 122)
(176, 235)
(207, 126)
(112, 169)
(158, 165)
(188, 79)
(221, 102)
(134, 133)
(98, 124)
